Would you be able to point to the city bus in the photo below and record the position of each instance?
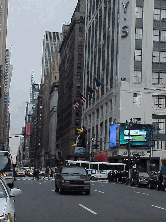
(102, 166)
(6, 167)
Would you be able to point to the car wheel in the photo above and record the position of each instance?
(88, 192)
(61, 191)
(92, 178)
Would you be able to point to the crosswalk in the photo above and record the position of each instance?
(31, 178)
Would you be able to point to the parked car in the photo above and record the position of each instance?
(134, 177)
(7, 209)
(98, 174)
(72, 178)
(143, 179)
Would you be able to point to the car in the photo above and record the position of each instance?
(20, 172)
(7, 209)
(97, 174)
(143, 179)
(30, 173)
(72, 178)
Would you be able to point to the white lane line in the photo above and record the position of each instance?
(87, 209)
(137, 192)
(18, 179)
(147, 194)
(133, 187)
(29, 179)
(95, 190)
(158, 207)
(52, 190)
(102, 192)
(143, 193)
(39, 183)
(99, 191)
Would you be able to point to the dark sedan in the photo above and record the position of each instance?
(70, 178)
(143, 179)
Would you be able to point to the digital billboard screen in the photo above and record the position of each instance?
(113, 136)
(138, 134)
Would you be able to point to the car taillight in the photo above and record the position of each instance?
(4, 174)
(87, 182)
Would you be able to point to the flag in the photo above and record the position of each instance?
(83, 100)
(90, 91)
(97, 82)
(97, 85)
(76, 105)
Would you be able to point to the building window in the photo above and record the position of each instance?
(106, 107)
(156, 35)
(137, 77)
(101, 110)
(78, 84)
(93, 116)
(162, 56)
(139, 12)
(163, 36)
(156, 14)
(163, 14)
(137, 55)
(101, 128)
(138, 33)
(78, 75)
(78, 94)
(155, 56)
(158, 78)
(80, 48)
(77, 122)
(80, 38)
(79, 65)
(137, 99)
(97, 113)
(79, 57)
(81, 29)
(159, 101)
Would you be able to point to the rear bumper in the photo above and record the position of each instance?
(80, 188)
(9, 180)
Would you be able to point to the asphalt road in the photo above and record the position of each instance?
(106, 202)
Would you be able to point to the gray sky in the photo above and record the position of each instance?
(27, 22)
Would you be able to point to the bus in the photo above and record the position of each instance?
(6, 167)
(102, 166)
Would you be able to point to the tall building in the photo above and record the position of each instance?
(7, 80)
(3, 37)
(125, 49)
(51, 43)
(70, 82)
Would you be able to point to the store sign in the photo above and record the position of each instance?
(124, 29)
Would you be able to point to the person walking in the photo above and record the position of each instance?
(160, 179)
(109, 177)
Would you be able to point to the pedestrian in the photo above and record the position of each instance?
(160, 179)
(47, 172)
(34, 173)
(51, 174)
(109, 177)
(37, 174)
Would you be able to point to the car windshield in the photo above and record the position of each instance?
(74, 171)
(143, 175)
(2, 191)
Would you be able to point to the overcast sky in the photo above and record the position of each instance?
(27, 22)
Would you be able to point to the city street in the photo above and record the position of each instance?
(106, 202)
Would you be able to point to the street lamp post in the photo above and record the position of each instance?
(128, 126)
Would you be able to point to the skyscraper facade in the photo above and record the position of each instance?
(125, 49)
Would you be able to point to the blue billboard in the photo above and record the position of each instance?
(137, 134)
(113, 136)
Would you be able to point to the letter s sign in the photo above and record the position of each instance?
(124, 31)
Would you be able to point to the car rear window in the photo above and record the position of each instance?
(74, 170)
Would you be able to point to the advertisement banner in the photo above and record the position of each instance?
(138, 134)
(113, 136)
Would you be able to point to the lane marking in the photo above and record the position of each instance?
(162, 208)
(102, 192)
(95, 190)
(99, 191)
(87, 209)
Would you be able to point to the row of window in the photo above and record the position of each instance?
(157, 78)
(158, 35)
(157, 56)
